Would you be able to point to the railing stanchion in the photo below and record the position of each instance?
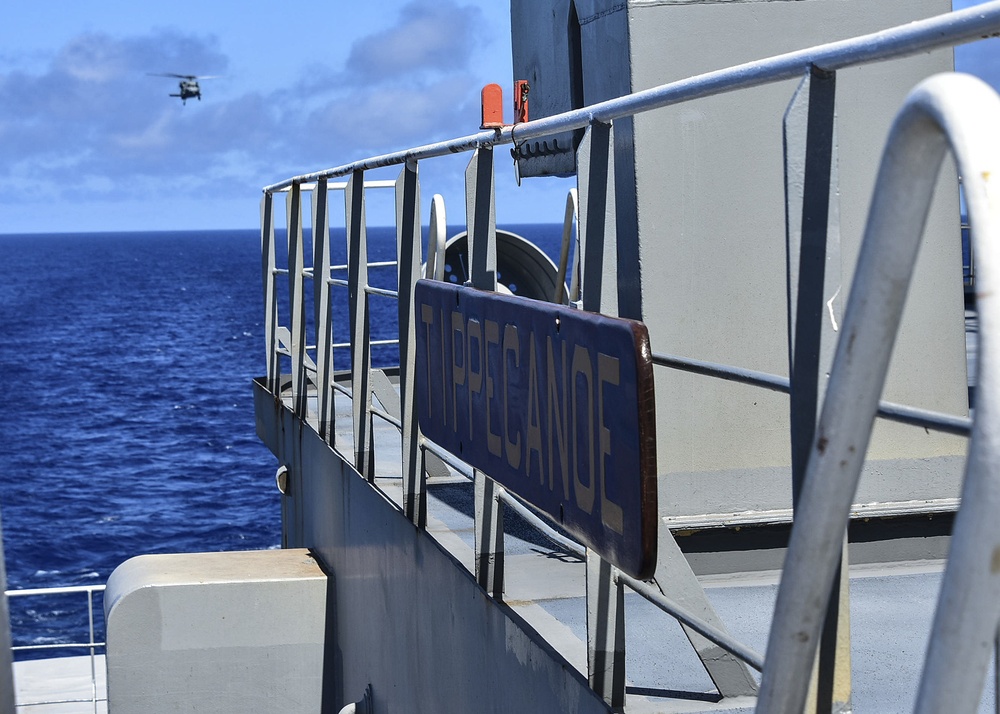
(605, 632)
(93, 656)
(270, 294)
(325, 409)
(597, 234)
(605, 596)
(6, 658)
(812, 219)
(481, 217)
(408, 251)
(296, 302)
(357, 257)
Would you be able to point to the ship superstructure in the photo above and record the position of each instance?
(723, 203)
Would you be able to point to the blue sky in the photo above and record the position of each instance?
(92, 142)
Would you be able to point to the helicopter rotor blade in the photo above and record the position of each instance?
(189, 77)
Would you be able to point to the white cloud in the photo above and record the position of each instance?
(430, 36)
(89, 123)
(149, 137)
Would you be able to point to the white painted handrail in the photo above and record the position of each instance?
(947, 111)
(946, 30)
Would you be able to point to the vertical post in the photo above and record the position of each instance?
(325, 411)
(814, 315)
(489, 535)
(93, 653)
(357, 278)
(598, 239)
(480, 211)
(296, 301)
(6, 658)
(270, 297)
(996, 672)
(408, 251)
(605, 632)
(605, 597)
(481, 217)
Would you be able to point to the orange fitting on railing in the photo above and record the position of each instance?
(521, 89)
(492, 107)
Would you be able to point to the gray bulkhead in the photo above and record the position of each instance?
(694, 233)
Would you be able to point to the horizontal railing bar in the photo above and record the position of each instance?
(722, 639)
(387, 417)
(721, 371)
(279, 271)
(946, 30)
(53, 702)
(946, 423)
(463, 468)
(378, 264)
(69, 589)
(340, 282)
(58, 646)
(342, 389)
(913, 416)
(341, 185)
(541, 526)
(344, 345)
(385, 292)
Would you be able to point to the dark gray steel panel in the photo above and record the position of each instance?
(543, 38)
(403, 614)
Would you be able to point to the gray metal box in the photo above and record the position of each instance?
(697, 223)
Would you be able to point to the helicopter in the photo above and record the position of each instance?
(188, 85)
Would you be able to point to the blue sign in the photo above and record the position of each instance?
(555, 404)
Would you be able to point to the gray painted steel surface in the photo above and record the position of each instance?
(700, 229)
(402, 615)
(677, 232)
(220, 632)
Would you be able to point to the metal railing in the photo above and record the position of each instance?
(832, 469)
(91, 646)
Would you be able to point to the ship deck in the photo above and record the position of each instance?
(891, 608)
(892, 599)
(892, 594)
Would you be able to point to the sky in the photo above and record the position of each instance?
(91, 141)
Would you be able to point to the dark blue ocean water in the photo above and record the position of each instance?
(127, 361)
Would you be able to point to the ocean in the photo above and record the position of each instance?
(128, 358)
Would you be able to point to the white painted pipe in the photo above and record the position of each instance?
(436, 239)
(946, 110)
(945, 30)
